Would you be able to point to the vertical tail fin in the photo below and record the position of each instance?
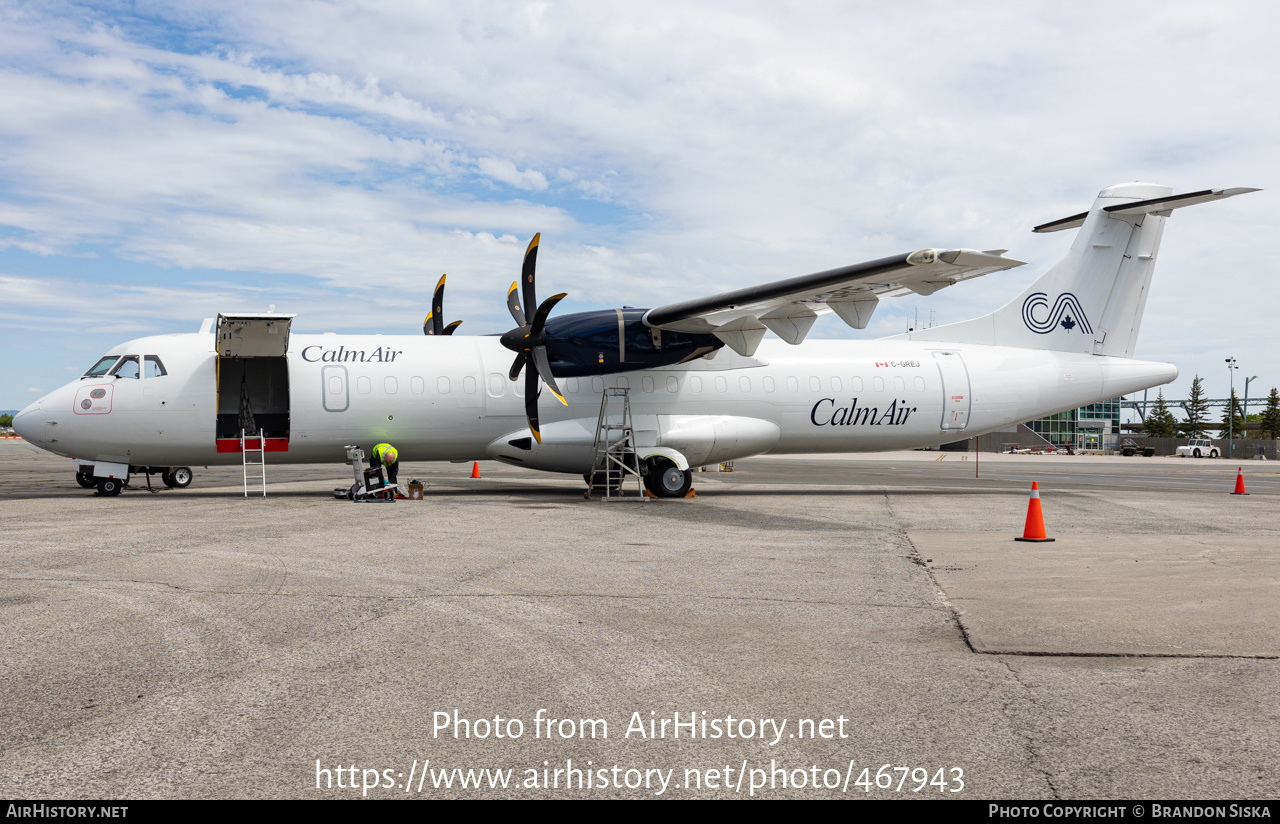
(1092, 300)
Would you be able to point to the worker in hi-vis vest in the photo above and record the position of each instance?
(385, 454)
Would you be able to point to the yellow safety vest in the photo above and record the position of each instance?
(380, 454)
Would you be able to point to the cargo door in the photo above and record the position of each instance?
(253, 380)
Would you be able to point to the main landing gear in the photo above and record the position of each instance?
(666, 480)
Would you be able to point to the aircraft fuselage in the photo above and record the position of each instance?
(449, 398)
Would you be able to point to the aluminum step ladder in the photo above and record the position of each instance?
(247, 449)
(615, 447)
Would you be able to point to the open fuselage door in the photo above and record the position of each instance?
(253, 380)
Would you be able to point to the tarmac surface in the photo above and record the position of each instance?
(198, 644)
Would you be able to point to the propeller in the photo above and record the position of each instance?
(434, 323)
(528, 340)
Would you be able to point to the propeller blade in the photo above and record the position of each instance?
(434, 324)
(518, 364)
(527, 293)
(448, 330)
(513, 304)
(543, 366)
(545, 309)
(531, 402)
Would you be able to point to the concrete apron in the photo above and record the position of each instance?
(1114, 595)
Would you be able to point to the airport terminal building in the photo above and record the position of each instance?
(1091, 428)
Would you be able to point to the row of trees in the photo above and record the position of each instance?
(1160, 422)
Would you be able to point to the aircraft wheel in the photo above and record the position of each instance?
(666, 480)
(110, 487)
(86, 479)
(177, 477)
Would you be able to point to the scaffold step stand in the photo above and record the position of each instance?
(616, 462)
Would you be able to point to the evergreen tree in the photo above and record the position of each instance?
(1233, 418)
(1160, 422)
(1271, 416)
(1197, 410)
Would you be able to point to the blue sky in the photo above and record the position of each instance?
(159, 165)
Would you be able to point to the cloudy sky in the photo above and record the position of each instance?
(334, 158)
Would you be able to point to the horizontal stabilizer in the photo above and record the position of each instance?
(1157, 205)
(1165, 204)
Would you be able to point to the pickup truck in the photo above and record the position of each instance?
(1199, 448)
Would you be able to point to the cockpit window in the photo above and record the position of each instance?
(155, 368)
(100, 368)
(127, 367)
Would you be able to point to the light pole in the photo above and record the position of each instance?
(1231, 418)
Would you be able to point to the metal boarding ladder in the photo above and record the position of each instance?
(246, 449)
(614, 448)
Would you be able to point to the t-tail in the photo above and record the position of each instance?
(1091, 301)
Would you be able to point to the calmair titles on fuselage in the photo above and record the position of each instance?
(704, 387)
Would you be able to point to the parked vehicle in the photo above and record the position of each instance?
(1130, 448)
(1199, 448)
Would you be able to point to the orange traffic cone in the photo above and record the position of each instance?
(475, 469)
(1034, 530)
(1240, 482)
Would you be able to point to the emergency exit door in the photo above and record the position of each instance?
(955, 391)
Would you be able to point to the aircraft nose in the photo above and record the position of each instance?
(27, 422)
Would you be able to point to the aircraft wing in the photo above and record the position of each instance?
(789, 307)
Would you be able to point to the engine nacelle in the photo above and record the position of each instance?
(617, 340)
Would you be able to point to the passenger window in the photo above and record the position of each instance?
(919, 384)
(768, 384)
(877, 383)
(695, 383)
(363, 385)
(597, 384)
(390, 385)
(469, 385)
(744, 383)
(722, 385)
(856, 384)
(571, 384)
(673, 385)
(127, 368)
(835, 385)
(154, 368)
(793, 385)
(495, 385)
(899, 384)
(623, 383)
(102, 366)
(416, 386)
(815, 385)
(442, 384)
(646, 383)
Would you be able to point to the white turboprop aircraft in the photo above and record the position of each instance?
(704, 387)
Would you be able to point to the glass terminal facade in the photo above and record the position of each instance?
(1087, 429)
